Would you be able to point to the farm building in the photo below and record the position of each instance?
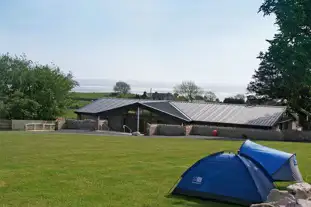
(134, 115)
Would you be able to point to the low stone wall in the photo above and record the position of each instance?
(170, 130)
(297, 136)
(237, 133)
(255, 134)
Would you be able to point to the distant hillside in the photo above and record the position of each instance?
(90, 96)
(80, 99)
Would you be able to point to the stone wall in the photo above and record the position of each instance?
(255, 134)
(237, 132)
(297, 136)
(170, 130)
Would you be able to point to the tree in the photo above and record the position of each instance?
(285, 69)
(233, 100)
(32, 91)
(210, 97)
(240, 96)
(145, 95)
(122, 87)
(188, 89)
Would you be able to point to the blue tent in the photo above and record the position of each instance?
(281, 166)
(225, 177)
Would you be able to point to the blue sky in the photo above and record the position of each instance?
(207, 41)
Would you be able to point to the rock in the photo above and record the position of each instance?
(300, 190)
(304, 203)
(300, 203)
(286, 201)
(281, 197)
(264, 205)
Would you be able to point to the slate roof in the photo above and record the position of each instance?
(107, 104)
(199, 112)
(168, 108)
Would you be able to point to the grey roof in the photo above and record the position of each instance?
(207, 112)
(232, 113)
(168, 108)
(107, 104)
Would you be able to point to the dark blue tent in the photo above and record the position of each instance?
(225, 177)
(281, 166)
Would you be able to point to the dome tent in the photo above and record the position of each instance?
(281, 166)
(225, 177)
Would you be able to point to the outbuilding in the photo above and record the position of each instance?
(134, 114)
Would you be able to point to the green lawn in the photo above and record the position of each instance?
(83, 170)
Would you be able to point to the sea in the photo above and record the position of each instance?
(222, 90)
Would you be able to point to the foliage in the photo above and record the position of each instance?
(122, 88)
(199, 98)
(181, 98)
(239, 96)
(234, 100)
(188, 89)
(33, 91)
(285, 69)
(70, 114)
(210, 96)
(145, 95)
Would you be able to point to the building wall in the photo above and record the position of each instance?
(115, 123)
(238, 126)
(86, 116)
(290, 125)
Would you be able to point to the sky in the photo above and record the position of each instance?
(162, 41)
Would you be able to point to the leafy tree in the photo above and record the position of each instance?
(285, 69)
(122, 87)
(33, 91)
(210, 97)
(145, 95)
(199, 98)
(233, 100)
(188, 89)
(240, 96)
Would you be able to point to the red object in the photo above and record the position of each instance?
(215, 133)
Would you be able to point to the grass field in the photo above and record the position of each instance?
(84, 170)
(91, 95)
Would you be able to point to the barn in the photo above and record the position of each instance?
(135, 114)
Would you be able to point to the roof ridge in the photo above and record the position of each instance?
(133, 99)
(178, 109)
(246, 105)
(163, 111)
